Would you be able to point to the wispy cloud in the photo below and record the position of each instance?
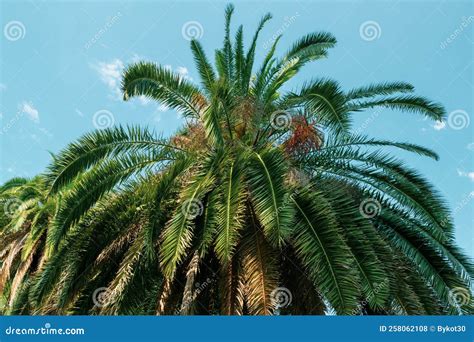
(469, 174)
(183, 71)
(3, 87)
(30, 111)
(439, 125)
(470, 146)
(110, 73)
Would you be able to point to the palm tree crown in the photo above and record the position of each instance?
(264, 202)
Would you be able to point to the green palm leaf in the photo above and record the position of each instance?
(323, 251)
(265, 177)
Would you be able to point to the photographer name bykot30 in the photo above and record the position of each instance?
(422, 328)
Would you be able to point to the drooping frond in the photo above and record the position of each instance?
(389, 177)
(363, 141)
(163, 85)
(387, 88)
(313, 42)
(407, 103)
(436, 271)
(93, 185)
(93, 147)
(177, 236)
(230, 209)
(323, 251)
(360, 236)
(325, 102)
(270, 198)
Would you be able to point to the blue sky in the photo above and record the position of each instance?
(60, 66)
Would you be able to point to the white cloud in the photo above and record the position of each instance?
(183, 71)
(110, 73)
(2, 87)
(469, 175)
(470, 146)
(30, 111)
(439, 125)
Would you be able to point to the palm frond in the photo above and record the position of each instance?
(324, 101)
(250, 57)
(323, 251)
(387, 88)
(335, 142)
(407, 103)
(93, 147)
(93, 185)
(270, 198)
(163, 85)
(203, 66)
(178, 233)
(230, 211)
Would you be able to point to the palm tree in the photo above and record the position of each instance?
(263, 203)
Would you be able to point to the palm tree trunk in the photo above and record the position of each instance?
(188, 294)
